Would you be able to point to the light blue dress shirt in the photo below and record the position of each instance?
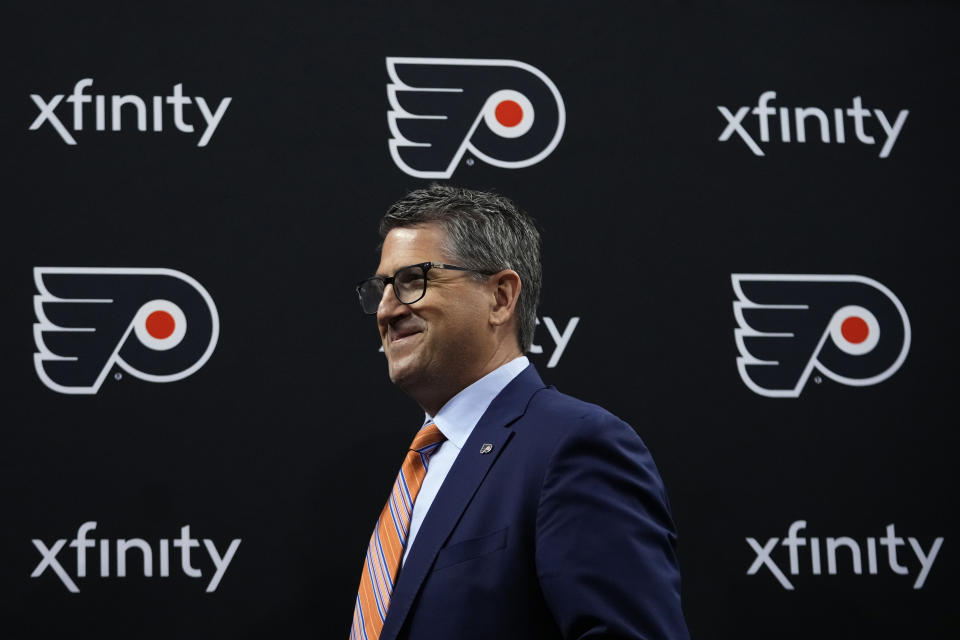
(456, 420)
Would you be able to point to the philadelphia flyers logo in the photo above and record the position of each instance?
(849, 328)
(506, 113)
(158, 325)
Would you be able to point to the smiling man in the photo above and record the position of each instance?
(518, 512)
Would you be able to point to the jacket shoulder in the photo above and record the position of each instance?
(559, 415)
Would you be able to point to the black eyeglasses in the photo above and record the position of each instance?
(409, 284)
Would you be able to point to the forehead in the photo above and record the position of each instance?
(411, 245)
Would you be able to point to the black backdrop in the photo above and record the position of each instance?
(288, 437)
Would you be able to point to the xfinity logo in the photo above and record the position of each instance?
(136, 107)
(795, 122)
(115, 552)
(810, 550)
(560, 340)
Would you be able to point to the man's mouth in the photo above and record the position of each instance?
(403, 334)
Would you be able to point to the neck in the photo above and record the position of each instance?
(432, 399)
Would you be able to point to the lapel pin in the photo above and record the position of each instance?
(486, 448)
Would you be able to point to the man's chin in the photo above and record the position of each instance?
(401, 374)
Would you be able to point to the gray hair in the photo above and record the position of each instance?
(483, 231)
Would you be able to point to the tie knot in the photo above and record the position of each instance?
(427, 439)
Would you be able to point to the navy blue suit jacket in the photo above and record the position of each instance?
(561, 530)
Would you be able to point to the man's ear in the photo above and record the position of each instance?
(506, 291)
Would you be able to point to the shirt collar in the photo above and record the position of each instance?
(457, 418)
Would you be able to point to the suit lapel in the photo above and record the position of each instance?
(458, 488)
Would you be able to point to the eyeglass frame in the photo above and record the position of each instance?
(426, 266)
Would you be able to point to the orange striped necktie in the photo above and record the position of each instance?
(390, 537)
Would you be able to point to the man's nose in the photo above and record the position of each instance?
(389, 306)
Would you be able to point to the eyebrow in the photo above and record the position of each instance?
(387, 275)
(380, 274)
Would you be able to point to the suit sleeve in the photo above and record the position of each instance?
(605, 540)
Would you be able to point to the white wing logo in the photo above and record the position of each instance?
(850, 328)
(86, 315)
(507, 113)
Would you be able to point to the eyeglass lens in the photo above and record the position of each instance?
(409, 285)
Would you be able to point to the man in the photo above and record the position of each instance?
(519, 512)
